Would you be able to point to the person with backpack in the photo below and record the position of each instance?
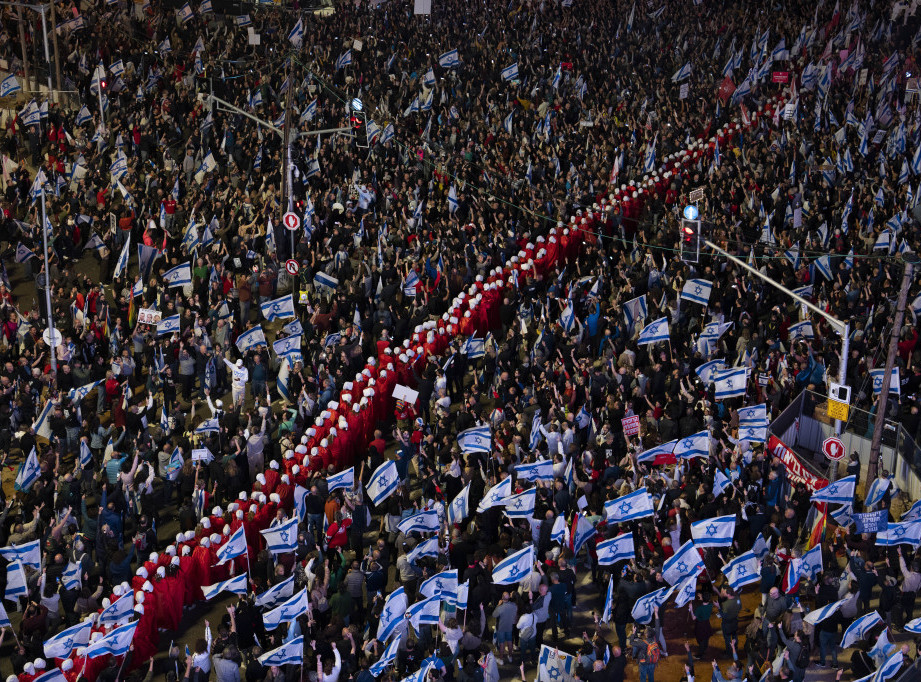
(527, 634)
(647, 653)
(797, 654)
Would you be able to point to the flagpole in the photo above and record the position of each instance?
(51, 330)
(124, 658)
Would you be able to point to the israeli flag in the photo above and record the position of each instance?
(29, 471)
(810, 564)
(63, 643)
(743, 570)
(287, 611)
(179, 276)
(515, 568)
(165, 46)
(287, 344)
(278, 309)
(817, 616)
(425, 521)
(118, 611)
(716, 532)
(115, 643)
(900, 534)
(707, 370)
(649, 161)
(474, 348)
(443, 585)
(383, 482)
(682, 74)
(392, 614)
(282, 538)
(234, 547)
(205, 7)
(29, 553)
(185, 13)
(510, 73)
(277, 594)
(801, 329)
(697, 290)
(208, 426)
(169, 325)
(321, 279)
(652, 454)
(644, 608)
(9, 86)
(296, 35)
(536, 434)
(15, 581)
(449, 59)
(841, 491)
(476, 439)
(289, 653)
(695, 445)
(459, 509)
(507, 123)
(521, 506)
(78, 394)
(730, 383)
(616, 549)
(541, 470)
(70, 578)
(83, 116)
(876, 492)
(720, 483)
(913, 514)
(636, 505)
(685, 591)
(236, 585)
(654, 332)
(344, 60)
(388, 657)
(755, 415)
(122, 264)
(251, 338)
(425, 612)
(495, 495)
(860, 628)
(568, 318)
(877, 376)
(683, 563)
(344, 479)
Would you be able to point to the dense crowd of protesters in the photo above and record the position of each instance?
(536, 212)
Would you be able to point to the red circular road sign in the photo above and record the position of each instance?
(291, 221)
(833, 448)
(292, 267)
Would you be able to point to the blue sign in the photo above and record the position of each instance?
(872, 522)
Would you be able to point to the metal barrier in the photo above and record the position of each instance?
(805, 424)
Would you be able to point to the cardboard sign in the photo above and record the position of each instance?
(796, 470)
(405, 393)
(631, 425)
(202, 455)
(780, 77)
(149, 316)
(872, 522)
(683, 92)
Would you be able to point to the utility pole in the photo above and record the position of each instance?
(287, 195)
(22, 45)
(47, 55)
(910, 260)
(57, 55)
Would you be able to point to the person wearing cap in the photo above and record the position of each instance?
(239, 378)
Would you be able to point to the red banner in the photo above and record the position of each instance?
(796, 470)
(780, 77)
(726, 88)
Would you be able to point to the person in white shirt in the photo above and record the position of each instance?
(240, 377)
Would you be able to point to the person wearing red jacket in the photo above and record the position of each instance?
(201, 561)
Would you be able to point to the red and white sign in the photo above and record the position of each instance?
(780, 77)
(292, 267)
(796, 470)
(291, 221)
(631, 425)
(833, 448)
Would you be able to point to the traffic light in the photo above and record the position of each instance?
(690, 240)
(358, 119)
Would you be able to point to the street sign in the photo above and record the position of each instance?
(696, 195)
(833, 448)
(291, 221)
(839, 400)
(291, 266)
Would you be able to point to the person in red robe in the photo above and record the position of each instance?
(201, 560)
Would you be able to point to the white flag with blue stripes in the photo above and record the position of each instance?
(682, 74)
(78, 394)
(289, 653)
(251, 338)
(708, 369)
(495, 495)
(169, 325)
(686, 561)
(474, 348)
(476, 439)
(9, 86)
(720, 483)
(287, 611)
(616, 549)
(208, 426)
(695, 445)
(388, 657)
(29, 471)
(383, 482)
(459, 509)
(118, 611)
(536, 424)
(425, 521)
(654, 332)
(697, 290)
(652, 454)
(877, 492)
(801, 330)
(754, 416)
(510, 73)
(841, 491)
(635, 311)
(233, 548)
(236, 585)
(860, 628)
(296, 35)
(63, 643)
(424, 612)
(71, 579)
(179, 276)
(877, 376)
(282, 538)
(344, 60)
(443, 585)
(278, 309)
(743, 570)
(636, 505)
(817, 616)
(730, 383)
(515, 568)
(277, 594)
(392, 614)
(521, 506)
(321, 279)
(715, 532)
(115, 643)
(344, 479)
(287, 344)
(29, 553)
(541, 470)
(449, 59)
(644, 608)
